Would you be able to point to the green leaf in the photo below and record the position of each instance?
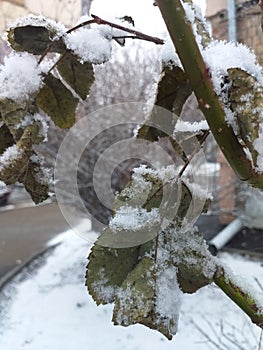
(34, 39)
(107, 269)
(137, 300)
(196, 266)
(80, 76)
(57, 102)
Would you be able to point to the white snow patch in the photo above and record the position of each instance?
(221, 55)
(183, 126)
(129, 218)
(167, 53)
(20, 77)
(169, 297)
(9, 155)
(40, 21)
(89, 44)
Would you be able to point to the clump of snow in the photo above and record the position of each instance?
(166, 174)
(168, 54)
(20, 77)
(89, 44)
(221, 55)
(40, 21)
(9, 156)
(183, 126)
(129, 218)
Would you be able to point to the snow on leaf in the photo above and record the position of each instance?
(12, 164)
(150, 295)
(80, 76)
(89, 45)
(40, 21)
(135, 301)
(57, 102)
(246, 103)
(129, 218)
(20, 77)
(196, 266)
(221, 55)
(107, 269)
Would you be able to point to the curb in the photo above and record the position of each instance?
(15, 270)
(24, 204)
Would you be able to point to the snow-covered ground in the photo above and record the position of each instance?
(47, 307)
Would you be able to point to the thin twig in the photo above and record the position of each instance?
(227, 337)
(98, 20)
(260, 339)
(194, 153)
(56, 63)
(258, 283)
(206, 335)
(140, 35)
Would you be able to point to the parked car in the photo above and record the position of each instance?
(5, 193)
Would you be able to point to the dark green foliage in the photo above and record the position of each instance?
(107, 269)
(34, 39)
(79, 76)
(173, 91)
(37, 188)
(6, 138)
(57, 102)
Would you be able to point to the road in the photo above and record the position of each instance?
(25, 231)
